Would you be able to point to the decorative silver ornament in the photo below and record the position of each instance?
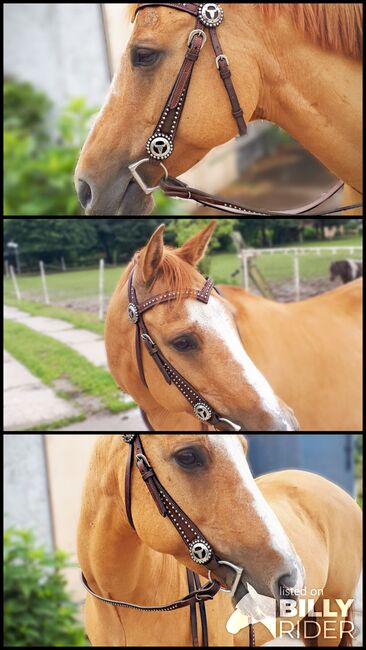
(160, 147)
(200, 551)
(129, 437)
(211, 15)
(202, 412)
(133, 313)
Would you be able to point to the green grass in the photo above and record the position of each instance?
(50, 361)
(279, 267)
(53, 426)
(79, 319)
(80, 285)
(64, 286)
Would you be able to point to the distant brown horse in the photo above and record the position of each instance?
(347, 270)
(289, 524)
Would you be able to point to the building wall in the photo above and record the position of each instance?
(332, 456)
(68, 459)
(59, 48)
(26, 495)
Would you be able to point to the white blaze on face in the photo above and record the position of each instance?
(215, 320)
(231, 446)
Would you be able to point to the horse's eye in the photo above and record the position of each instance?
(185, 344)
(189, 458)
(143, 57)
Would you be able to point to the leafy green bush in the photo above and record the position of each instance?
(39, 167)
(25, 109)
(38, 612)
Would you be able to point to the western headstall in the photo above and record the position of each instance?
(200, 550)
(160, 145)
(200, 406)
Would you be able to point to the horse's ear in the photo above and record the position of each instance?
(151, 258)
(194, 250)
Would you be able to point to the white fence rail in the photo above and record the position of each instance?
(249, 254)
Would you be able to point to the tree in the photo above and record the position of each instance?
(183, 229)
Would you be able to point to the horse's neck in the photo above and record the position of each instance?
(116, 563)
(314, 94)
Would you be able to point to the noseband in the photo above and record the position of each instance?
(200, 406)
(160, 145)
(200, 550)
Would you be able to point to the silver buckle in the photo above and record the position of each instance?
(239, 573)
(221, 57)
(234, 427)
(200, 32)
(147, 339)
(144, 459)
(133, 169)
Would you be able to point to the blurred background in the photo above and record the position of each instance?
(59, 275)
(59, 60)
(43, 479)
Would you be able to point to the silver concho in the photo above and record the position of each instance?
(211, 15)
(129, 437)
(160, 147)
(200, 551)
(202, 412)
(133, 313)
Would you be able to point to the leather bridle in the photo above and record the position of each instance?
(200, 406)
(160, 145)
(200, 550)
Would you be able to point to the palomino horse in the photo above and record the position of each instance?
(298, 65)
(200, 341)
(310, 352)
(291, 527)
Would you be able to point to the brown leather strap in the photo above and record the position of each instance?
(201, 294)
(193, 610)
(174, 188)
(128, 486)
(225, 73)
(208, 592)
(170, 374)
(202, 606)
(169, 120)
(187, 7)
(166, 505)
(172, 112)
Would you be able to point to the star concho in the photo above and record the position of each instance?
(133, 313)
(202, 412)
(200, 551)
(211, 15)
(160, 146)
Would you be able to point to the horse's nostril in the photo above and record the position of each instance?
(85, 194)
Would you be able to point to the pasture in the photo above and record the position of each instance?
(77, 290)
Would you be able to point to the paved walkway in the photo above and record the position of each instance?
(27, 401)
(90, 345)
(130, 421)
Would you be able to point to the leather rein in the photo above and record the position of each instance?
(160, 145)
(200, 551)
(200, 406)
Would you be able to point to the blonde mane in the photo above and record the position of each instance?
(336, 27)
